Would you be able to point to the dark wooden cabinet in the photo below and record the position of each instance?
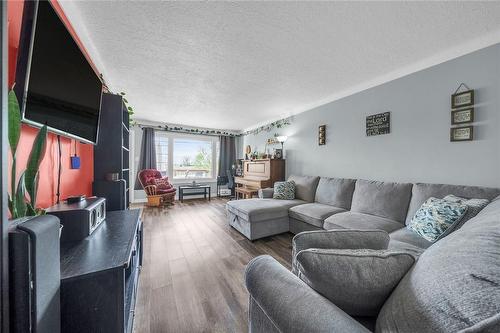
(111, 154)
(99, 276)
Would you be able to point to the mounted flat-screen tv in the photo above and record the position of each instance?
(55, 83)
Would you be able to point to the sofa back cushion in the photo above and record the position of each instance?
(455, 284)
(488, 213)
(388, 200)
(335, 192)
(305, 187)
(423, 191)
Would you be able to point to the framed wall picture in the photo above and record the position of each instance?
(462, 116)
(322, 135)
(465, 98)
(465, 133)
(278, 153)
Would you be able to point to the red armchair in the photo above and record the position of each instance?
(158, 189)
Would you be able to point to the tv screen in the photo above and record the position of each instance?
(59, 87)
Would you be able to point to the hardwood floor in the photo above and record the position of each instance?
(193, 268)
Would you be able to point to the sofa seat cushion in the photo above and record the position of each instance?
(384, 199)
(398, 246)
(351, 220)
(166, 191)
(255, 210)
(423, 191)
(408, 236)
(454, 285)
(313, 213)
(335, 192)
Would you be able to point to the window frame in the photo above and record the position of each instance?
(171, 136)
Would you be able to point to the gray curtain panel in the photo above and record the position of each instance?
(227, 154)
(148, 153)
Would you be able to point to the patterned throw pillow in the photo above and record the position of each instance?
(474, 206)
(162, 183)
(284, 190)
(435, 216)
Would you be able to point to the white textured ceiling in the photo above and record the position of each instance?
(233, 65)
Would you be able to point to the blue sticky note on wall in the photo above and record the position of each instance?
(75, 162)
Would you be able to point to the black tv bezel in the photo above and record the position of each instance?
(26, 41)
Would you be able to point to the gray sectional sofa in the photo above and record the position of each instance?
(367, 272)
(334, 203)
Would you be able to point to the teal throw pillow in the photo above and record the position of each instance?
(435, 216)
(284, 190)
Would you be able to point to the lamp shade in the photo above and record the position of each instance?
(281, 138)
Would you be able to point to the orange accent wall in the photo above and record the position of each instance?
(78, 181)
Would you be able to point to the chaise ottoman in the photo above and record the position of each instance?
(257, 218)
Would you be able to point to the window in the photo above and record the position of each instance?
(186, 157)
(193, 159)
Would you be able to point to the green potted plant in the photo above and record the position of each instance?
(22, 199)
(130, 110)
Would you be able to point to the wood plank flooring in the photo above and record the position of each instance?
(193, 268)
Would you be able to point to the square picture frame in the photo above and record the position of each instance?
(463, 133)
(462, 99)
(278, 153)
(462, 116)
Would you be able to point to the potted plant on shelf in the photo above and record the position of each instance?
(20, 206)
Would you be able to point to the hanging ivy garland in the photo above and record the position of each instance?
(209, 131)
(193, 130)
(269, 127)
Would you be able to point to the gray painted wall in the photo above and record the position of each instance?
(418, 149)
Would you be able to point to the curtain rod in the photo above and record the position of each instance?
(191, 130)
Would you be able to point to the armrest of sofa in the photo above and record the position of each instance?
(290, 304)
(266, 193)
(357, 281)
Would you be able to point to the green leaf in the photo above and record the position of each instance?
(130, 108)
(20, 201)
(14, 126)
(34, 160)
(125, 100)
(122, 93)
(11, 205)
(30, 211)
(13, 179)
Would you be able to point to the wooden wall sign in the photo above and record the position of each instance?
(377, 124)
(462, 116)
(322, 135)
(462, 99)
(465, 133)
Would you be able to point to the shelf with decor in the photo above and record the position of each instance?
(111, 154)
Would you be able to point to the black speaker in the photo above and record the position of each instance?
(79, 219)
(34, 274)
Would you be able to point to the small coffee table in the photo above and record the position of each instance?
(186, 190)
